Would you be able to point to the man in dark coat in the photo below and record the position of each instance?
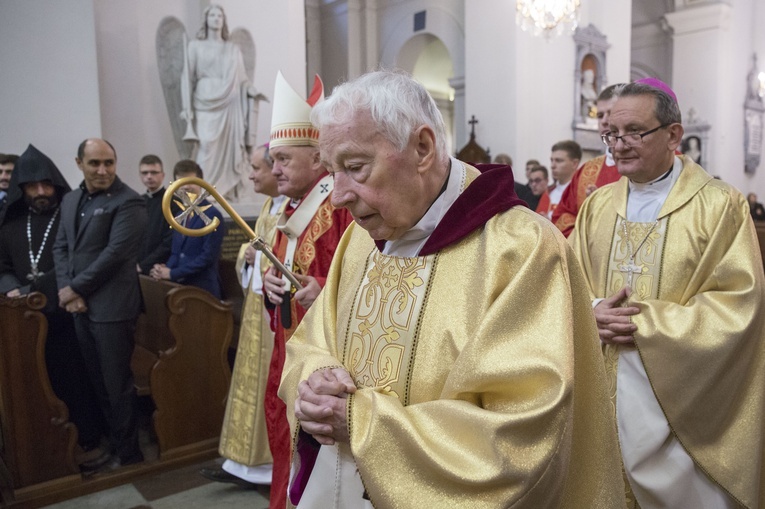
(26, 265)
(96, 252)
(158, 237)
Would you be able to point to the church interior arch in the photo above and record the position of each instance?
(427, 58)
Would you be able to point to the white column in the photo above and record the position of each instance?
(313, 38)
(372, 34)
(459, 133)
(710, 84)
(356, 38)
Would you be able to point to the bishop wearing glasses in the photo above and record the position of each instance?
(675, 274)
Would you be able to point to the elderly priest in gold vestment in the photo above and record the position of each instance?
(671, 256)
(423, 376)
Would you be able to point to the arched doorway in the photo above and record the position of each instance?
(427, 58)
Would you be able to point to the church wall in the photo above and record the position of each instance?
(492, 83)
(521, 87)
(756, 183)
(752, 183)
(711, 59)
(50, 85)
(651, 53)
(334, 44)
(614, 19)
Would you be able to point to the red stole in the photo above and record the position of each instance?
(591, 175)
(544, 207)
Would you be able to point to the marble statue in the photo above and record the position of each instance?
(218, 103)
(589, 94)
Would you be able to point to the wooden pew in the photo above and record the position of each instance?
(38, 439)
(190, 381)
(189, 332)
(182, 341)
(152, 332)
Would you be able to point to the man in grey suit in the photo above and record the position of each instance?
(95, 253)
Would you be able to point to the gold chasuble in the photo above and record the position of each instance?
(469, 394)
(243, 437)
(697, 278)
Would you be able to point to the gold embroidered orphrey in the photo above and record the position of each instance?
(381, 335)
(637, 251)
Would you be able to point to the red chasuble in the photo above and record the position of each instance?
(313, 256)
(595, 172)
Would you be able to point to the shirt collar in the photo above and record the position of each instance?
(411, 241)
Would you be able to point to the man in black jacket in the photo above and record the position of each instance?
(96, 252)
(158, 237)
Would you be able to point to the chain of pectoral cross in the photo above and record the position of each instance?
(631, 268)
(34, 272)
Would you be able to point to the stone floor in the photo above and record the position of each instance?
(183, 488)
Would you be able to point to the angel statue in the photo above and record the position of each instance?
(212, 103)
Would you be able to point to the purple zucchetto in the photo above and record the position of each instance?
(658, 84)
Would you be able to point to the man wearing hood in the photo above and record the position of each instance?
(26, 265)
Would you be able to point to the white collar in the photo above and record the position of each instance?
(276, 202)
(410, 243)
(645, 200)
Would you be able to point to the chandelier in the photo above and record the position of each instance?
(547, 17)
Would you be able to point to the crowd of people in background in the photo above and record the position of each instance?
(396, 384)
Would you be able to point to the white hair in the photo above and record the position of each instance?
(397, 102)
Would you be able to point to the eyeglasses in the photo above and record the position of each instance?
(537, 181)
(629, 140)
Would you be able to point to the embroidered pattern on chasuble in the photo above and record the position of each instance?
(319, 225)
(380, 338)
(243, 434)
(588, 177)
(645, 283)
(651, 239)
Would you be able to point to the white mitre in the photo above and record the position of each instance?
(291, 114)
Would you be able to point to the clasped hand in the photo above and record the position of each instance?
(321, 405)
(71, 301)
(614, 320)
(160, 271)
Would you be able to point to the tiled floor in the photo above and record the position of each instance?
(183, 488)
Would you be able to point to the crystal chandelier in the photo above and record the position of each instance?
(548, 17)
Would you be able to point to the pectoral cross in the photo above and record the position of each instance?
(34, 273)
(630, 268)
